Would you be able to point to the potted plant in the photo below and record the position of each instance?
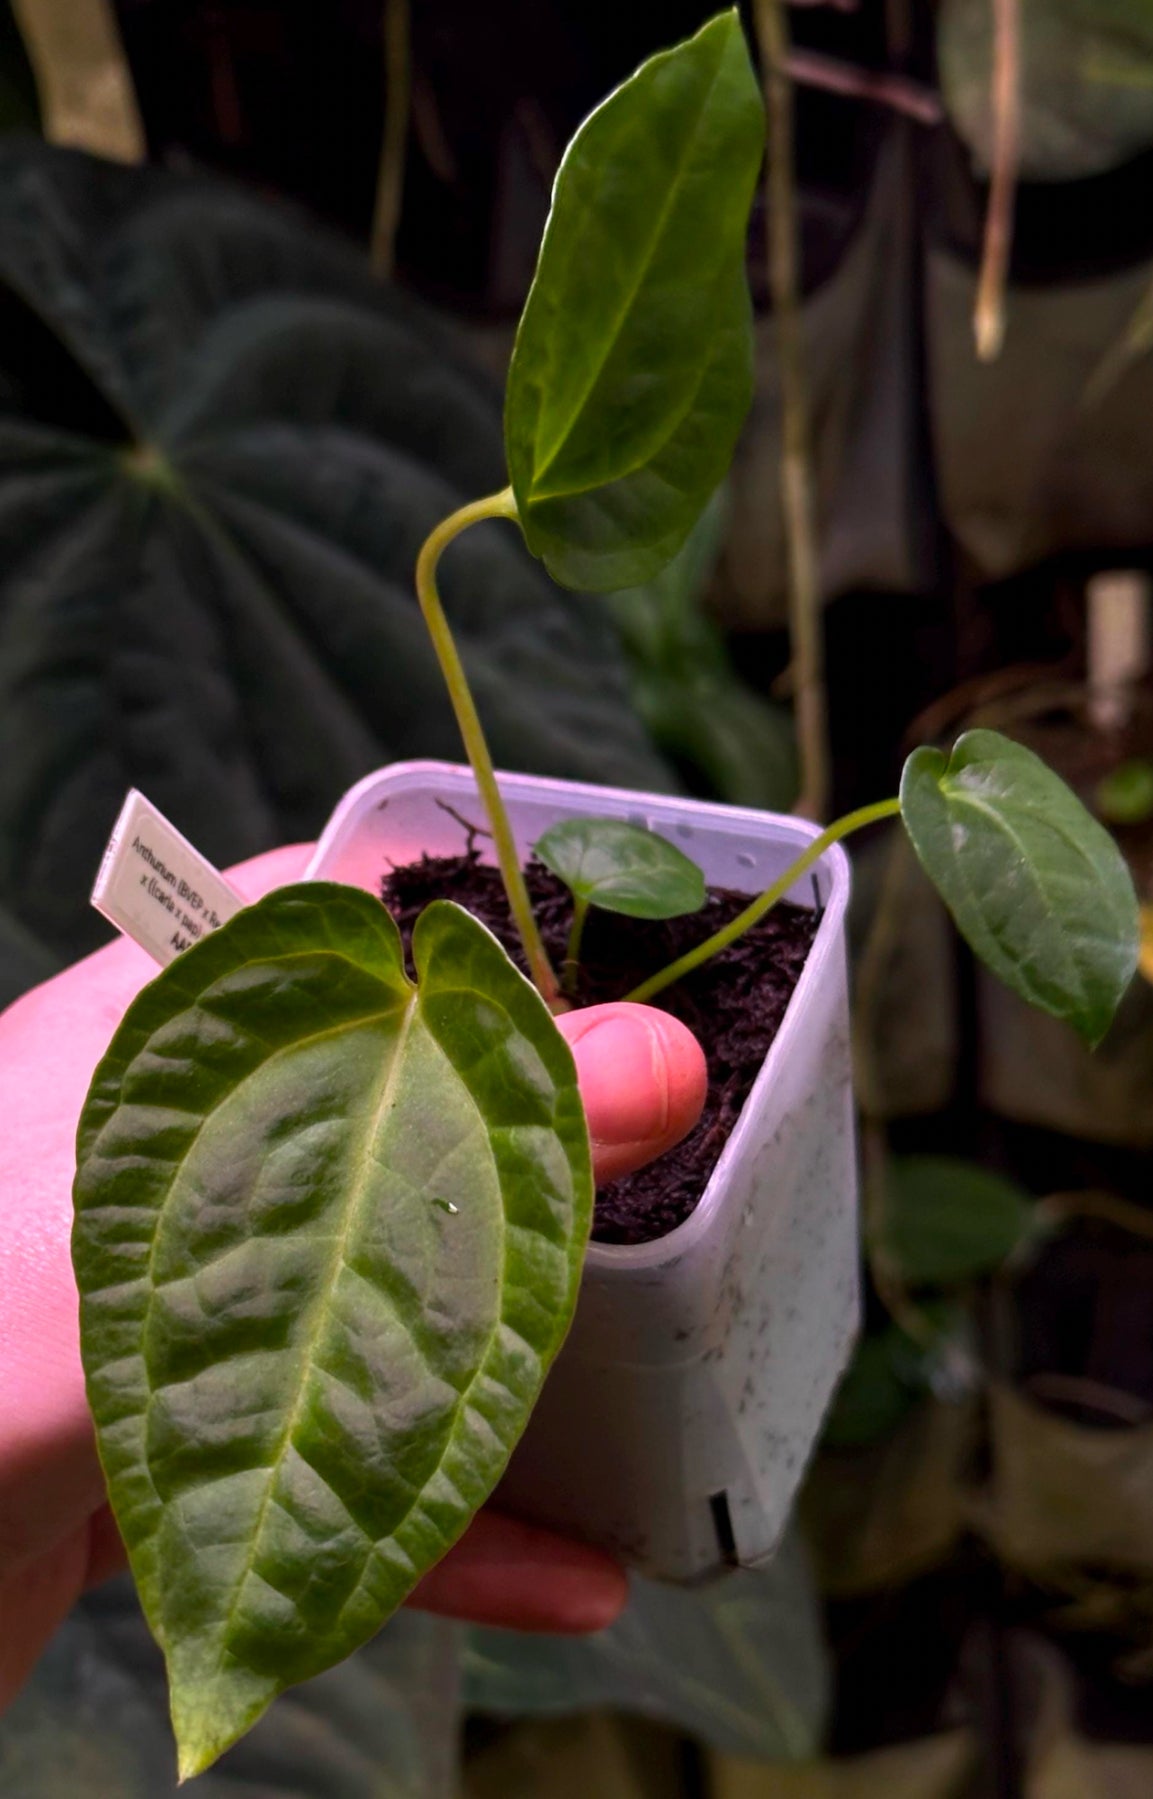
(331, 1214)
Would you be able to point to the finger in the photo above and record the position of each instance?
(642, 1078)
(520, 1577)
(35, 1599)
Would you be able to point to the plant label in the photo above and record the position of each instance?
(155, 887)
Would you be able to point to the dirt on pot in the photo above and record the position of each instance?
(734, 1005)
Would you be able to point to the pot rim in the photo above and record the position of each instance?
(626, 1259)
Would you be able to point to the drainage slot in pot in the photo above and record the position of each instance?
(723, 1525)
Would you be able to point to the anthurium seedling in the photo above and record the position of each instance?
(618, 867)
(330, 1220)
(329, 1224)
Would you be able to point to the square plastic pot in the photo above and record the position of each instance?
(678, 1418)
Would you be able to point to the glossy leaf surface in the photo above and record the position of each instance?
(1037, 887)
(622, 868)
(946, 1220)
(632, 369)
(328, 1238)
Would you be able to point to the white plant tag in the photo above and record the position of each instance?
(155, 887)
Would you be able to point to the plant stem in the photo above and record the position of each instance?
(580, 911)
(498, 505)
(806, 623)
(989, 312)
(744, 921)
(396, 34)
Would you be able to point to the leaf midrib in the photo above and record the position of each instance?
(319, 1309)
(1001, 824)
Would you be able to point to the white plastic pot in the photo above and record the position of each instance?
(677, 1421)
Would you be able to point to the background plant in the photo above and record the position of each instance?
(937, 591)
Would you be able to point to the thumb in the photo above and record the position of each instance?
(642, 1078)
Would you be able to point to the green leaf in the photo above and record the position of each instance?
(947, 1220)
(1125, 794)
(93, 1718)
(622, 868)
(222, 443)
(723, 736)
(890, 1372)
(329, 1230)
(1036, 886)
(632, 369)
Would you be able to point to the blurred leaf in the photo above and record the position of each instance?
(632, 369)
(93, 1720)
(622, 868)
(1125, 795)
(946, 1220)
(1086, 82)
(740, 1662)
(724, 737)
(221, 445)
(727, 739)
(889, 1373)
(1035, 884)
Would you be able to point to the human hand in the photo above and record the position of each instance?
(642, 1078)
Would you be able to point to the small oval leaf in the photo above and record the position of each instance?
(329, 1231)
(622, 868)
(632, 369)
(1036, 886)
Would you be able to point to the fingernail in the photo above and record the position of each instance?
(624, 1076)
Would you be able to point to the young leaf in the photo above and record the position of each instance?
(622, 868)
(1037, 887)
(947, 1220)
(632, 369)
(329, 1229)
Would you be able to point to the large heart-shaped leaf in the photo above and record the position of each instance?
(632, 370)
(221, 446)
(328, 1237)
(1037, 887)
(619, 867)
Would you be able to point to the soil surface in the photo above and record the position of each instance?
(734, 1004)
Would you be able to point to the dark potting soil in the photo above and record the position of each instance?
(734, 1005)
